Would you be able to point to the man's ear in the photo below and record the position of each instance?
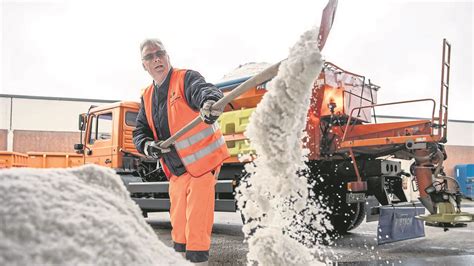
(143, 65)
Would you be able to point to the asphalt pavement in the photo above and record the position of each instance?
(359, 247)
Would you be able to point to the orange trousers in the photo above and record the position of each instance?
(192, 210)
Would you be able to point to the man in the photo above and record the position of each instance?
(175, 98)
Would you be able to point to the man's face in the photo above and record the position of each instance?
(156, 62)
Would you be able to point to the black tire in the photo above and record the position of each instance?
(344, 216)
(359, 217)
(332, 186)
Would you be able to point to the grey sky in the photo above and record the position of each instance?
(89, 49)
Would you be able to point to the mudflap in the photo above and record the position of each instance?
(399, 223)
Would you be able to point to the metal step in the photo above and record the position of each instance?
(222, 186)
(160, 205)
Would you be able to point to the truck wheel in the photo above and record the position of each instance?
(344, 216)
(359, 217)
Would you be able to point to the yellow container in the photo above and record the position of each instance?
(237, 147)
(235, 121)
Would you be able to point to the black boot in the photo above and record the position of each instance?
(197, 256)
(180, 248)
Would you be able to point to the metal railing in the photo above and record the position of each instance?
(346, 130)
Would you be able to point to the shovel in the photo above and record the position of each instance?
(327, 20)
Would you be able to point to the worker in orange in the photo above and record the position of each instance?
(171, 101)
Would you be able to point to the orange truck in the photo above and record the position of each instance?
(346, 148)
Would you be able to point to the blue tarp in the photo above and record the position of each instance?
(399, 223)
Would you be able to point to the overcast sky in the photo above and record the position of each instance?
(89, 49)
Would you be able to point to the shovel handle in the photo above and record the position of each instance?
(254, 81)
(327, 20)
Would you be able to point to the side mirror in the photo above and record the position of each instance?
(82, 121)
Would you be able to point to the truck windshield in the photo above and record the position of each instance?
(101, 128)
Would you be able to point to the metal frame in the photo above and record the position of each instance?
(163, 204)
(386, 140)
(222, 186)
(152, 204)
(445, 71)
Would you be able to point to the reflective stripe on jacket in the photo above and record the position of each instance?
(201, 149)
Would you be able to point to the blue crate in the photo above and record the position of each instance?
(465, 177)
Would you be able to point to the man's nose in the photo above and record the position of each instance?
(156, 58)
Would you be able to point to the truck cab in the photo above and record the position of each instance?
(106, 136)
(107, 140)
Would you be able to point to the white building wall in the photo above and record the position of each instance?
(48, 115)
(4, 113)
(41, 114)
(461, 134)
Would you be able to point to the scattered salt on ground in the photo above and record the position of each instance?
(245, 70)
(275, 196)
(74, 216)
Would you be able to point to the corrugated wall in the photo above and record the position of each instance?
(44, 141)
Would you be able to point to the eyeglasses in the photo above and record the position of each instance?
(151, 56)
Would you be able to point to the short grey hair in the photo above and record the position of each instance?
(153, 42)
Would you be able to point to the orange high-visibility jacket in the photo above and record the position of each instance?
(202, 149)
